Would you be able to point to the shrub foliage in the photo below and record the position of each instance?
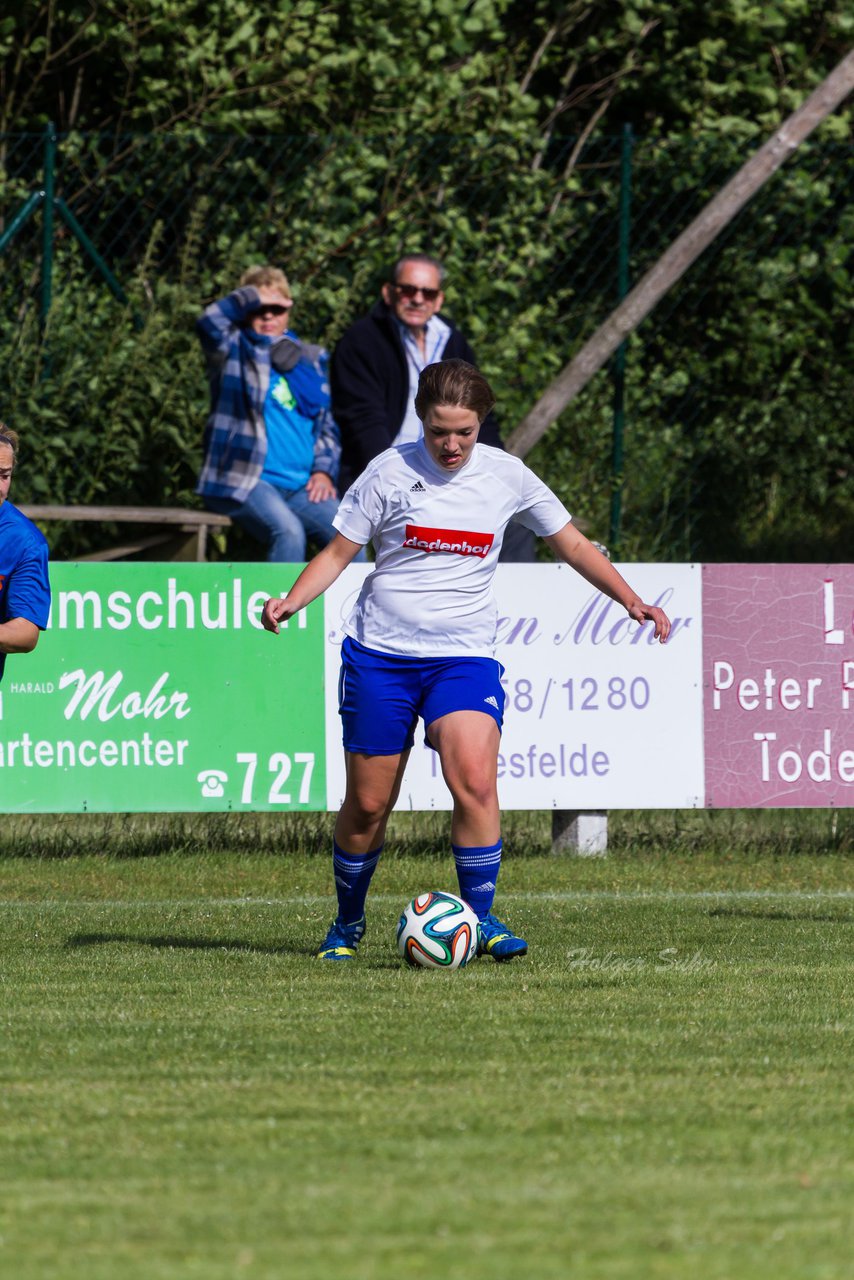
(195, 140)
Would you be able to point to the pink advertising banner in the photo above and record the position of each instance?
(778, 675)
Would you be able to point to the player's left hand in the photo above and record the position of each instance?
(651, 613)
(320, 487)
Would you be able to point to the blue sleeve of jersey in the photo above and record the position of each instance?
(28, 594)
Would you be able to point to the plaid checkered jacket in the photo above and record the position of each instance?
(239, 363)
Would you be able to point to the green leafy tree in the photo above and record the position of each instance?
(200, 138)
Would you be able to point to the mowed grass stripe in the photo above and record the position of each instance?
(512, 895)
(178, 1102)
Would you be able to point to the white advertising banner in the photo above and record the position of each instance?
(598, 715)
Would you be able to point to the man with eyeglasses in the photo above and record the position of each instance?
(271, 446)
(377, 362)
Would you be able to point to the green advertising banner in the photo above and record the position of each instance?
(155, 688)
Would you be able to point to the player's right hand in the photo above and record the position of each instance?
(275, 609)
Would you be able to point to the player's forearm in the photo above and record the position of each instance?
(18, 635)
(580, 554)
(600, 573)
(317, 575)
(326, 567)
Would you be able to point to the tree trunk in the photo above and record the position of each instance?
(676, 260)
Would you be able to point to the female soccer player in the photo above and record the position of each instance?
(420, 640)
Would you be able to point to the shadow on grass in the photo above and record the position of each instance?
(170, 942)
(173, 942)
(752, 913)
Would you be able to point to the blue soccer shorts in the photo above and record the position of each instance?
(381, 695)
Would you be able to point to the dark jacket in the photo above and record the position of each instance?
(369, 376)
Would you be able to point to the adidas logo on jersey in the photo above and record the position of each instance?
(492, 700)
(418, 487)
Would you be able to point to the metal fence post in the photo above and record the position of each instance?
(581, 831)
(88, 247)
(47, 243)
(47, 222)
(624, 233)
(51, 205)
(34, 199)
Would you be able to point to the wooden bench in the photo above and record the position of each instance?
(168, 533)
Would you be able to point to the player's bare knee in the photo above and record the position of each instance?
(367, 807)
(473, 791)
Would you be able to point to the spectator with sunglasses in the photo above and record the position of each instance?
(375, 369)
(271, 446)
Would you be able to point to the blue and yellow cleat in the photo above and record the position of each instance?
(497, 941)
(342, 941)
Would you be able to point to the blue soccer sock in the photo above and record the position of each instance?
(477, 873)
(353, 874)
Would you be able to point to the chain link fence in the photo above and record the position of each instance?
(736, 391)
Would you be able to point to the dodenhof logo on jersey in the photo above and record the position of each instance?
(460, 542)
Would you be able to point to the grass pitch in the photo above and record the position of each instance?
(660, 1089)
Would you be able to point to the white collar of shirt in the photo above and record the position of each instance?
(436, 335)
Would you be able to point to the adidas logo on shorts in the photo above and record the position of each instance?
(492, 700)
(418, 487)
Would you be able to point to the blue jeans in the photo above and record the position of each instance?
(281, 519)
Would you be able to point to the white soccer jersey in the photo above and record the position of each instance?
(437, 536)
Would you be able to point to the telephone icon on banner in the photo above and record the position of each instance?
(212, 780)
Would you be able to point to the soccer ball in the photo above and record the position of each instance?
(437, 931)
